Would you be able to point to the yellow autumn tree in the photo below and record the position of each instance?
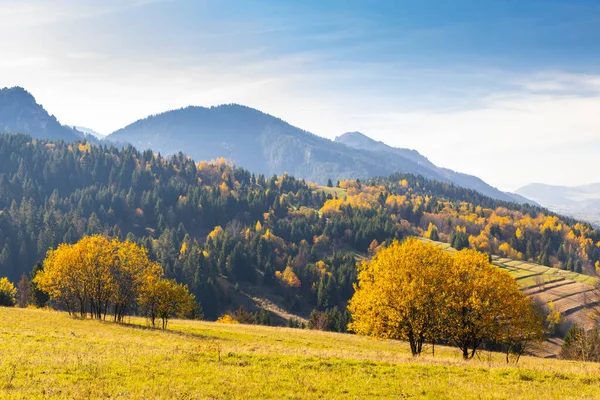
(415, 291)
(8, 291)
(523, 326)
(134, 270)
(288, 277)
(226, 319)
(484, 303)
(164, 298)
(400, 292)
(97, 275)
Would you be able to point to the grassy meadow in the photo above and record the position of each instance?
(47, 354)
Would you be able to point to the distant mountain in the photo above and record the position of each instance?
(363, 142)
(20, 113)
(88, 131)
(266, 144)
(577, 201)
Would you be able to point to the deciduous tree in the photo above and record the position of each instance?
(8, 292)
(401, 292)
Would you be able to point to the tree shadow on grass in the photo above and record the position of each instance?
(171, 332)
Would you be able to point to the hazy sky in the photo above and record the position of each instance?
(505, 90)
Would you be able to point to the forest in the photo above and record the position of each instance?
(219, 228)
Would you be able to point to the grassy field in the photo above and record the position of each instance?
(341, 193)
(46, 354)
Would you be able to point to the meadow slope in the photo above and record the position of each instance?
(47, 354)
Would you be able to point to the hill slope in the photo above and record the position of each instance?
(266, 144)
(51, 193)
(50, 355)
(577, 201)
(19, 113)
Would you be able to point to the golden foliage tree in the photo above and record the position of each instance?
(8, 292)
(484, 303)
(98, 274)
(164, 298)
(400, 293)
(288, 277)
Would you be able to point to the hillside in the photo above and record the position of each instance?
(237, 239)
(577, 201)
(88, 131)
(51, 355)
(19, 113)
(266, 144)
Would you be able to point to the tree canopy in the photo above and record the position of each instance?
(415, 291)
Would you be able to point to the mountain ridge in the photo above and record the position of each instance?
(283, 147)
(250, 138)
(20, 113)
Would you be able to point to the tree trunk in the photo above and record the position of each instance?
(465, 350)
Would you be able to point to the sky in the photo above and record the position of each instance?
(505, 90)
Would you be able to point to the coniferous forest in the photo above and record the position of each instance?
(228, 233)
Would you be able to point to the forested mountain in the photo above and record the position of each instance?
(577, 201)
(249, 138)
(236, 238)
(268, 145)
(19, 113)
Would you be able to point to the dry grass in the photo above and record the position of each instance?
(46, 354)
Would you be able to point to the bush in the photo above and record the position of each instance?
(8, 292)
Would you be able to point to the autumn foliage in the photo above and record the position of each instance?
(415, 291)
(98, 275)
(7, 293)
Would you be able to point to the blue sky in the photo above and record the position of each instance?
(505, 90)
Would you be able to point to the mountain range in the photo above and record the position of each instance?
(576, 201)
(250, 138)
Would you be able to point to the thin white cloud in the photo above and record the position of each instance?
(27, 13)
(507, 128)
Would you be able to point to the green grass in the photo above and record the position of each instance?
(47, 354)
(534, 280)
(341, 193)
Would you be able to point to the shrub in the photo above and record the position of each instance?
(8, 292)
